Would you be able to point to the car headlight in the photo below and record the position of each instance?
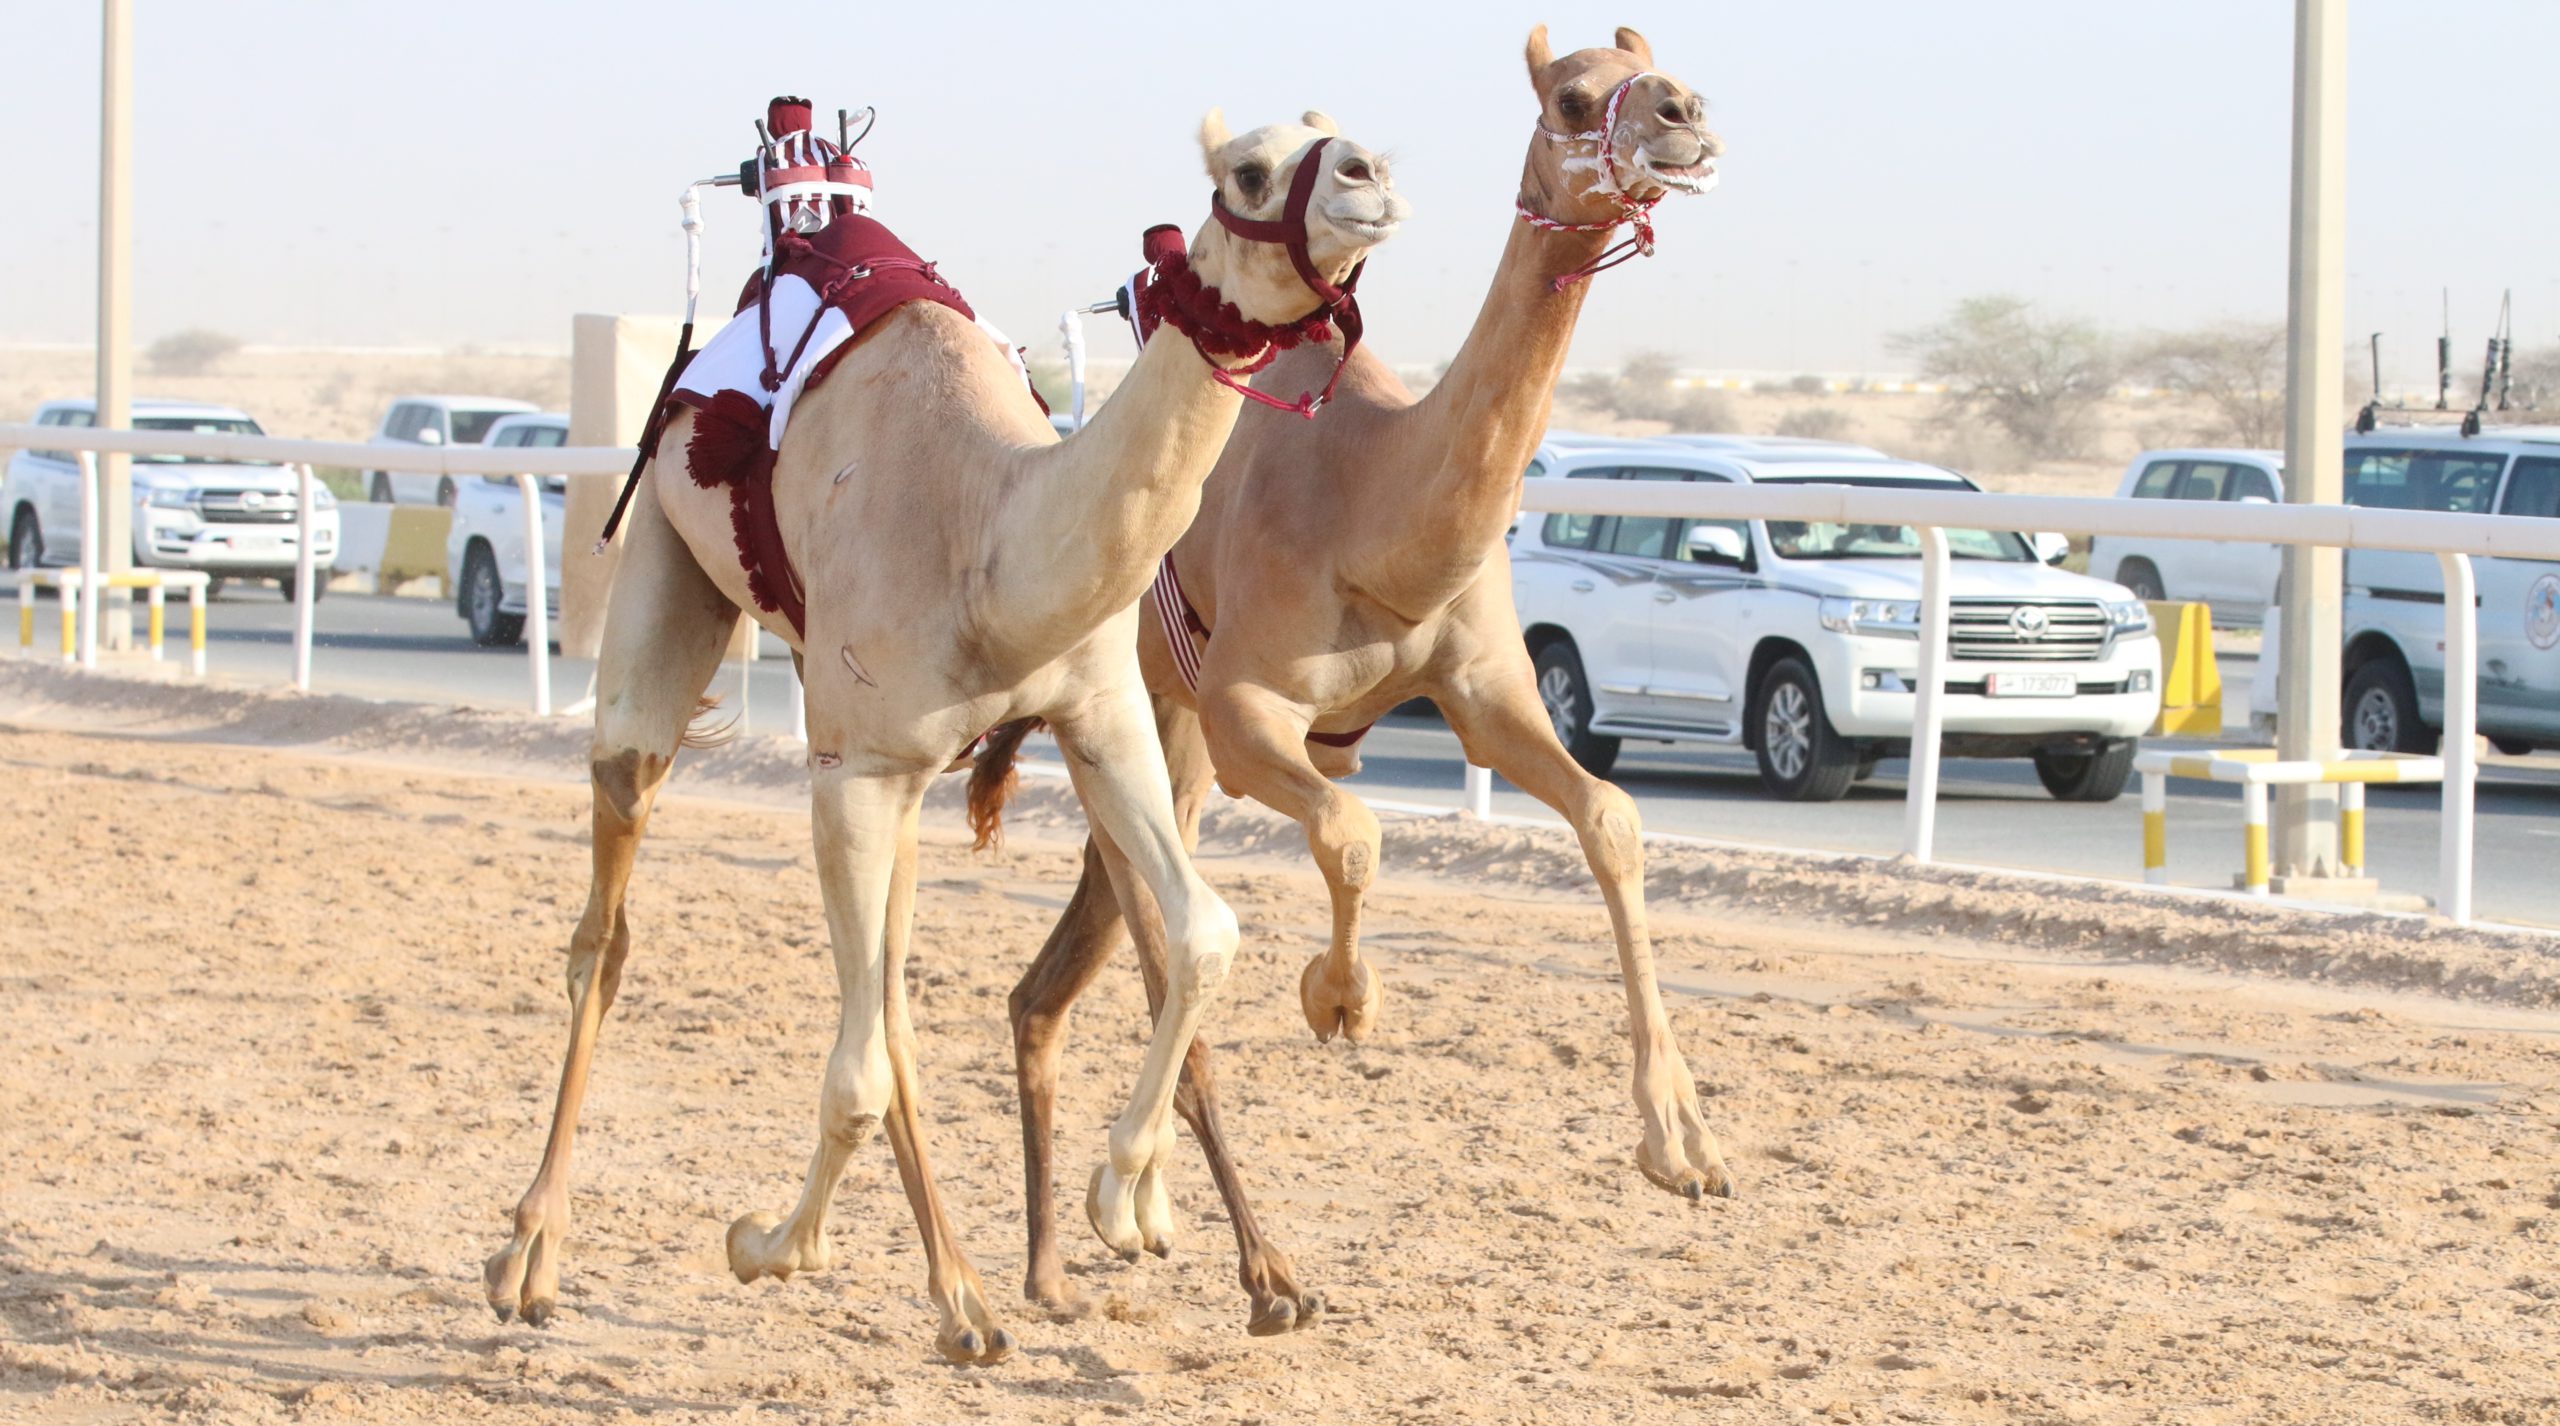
(169, 497)
(1897, 617)
(2129, 616)
(323, 498)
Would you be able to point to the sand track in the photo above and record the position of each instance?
(283, 1026)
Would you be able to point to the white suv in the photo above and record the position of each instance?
(434, 421)
(229, 519)
(484, 553)
(1801, 640)
(2236, 580)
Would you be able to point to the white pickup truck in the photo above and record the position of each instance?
(484, 552)
(1800, 640)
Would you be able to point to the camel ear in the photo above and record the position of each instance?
(1214, 135)
(1635, 44)
(1322, 123)
(1541, 54)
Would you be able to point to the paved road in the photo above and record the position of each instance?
(1991, 813)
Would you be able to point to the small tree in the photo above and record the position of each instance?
(191, 352)
(2038, 379)
(2236, 368)
(1820, 423)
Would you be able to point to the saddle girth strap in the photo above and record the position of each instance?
(1182, 623)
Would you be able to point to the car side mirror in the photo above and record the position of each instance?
(430, 436)
(2051, 547)
(1716, 544)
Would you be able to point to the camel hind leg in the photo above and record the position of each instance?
(1502, 725)
(664, 631)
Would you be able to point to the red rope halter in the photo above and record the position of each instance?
(1630, 210)
(1171, 292)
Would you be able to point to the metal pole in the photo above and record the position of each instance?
(87, 596)
(114, 495)
(2461, 738)
(799, 705)
(1929, 714)
(2307, 690)
(1071, 328)
(1479, 790)
(537, 601)
(304, 596)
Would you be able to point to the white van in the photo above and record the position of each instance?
(229, 519)
(434, 421)
(2236, 580)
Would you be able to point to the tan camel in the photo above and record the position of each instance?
(1346, 565)
(962, 567)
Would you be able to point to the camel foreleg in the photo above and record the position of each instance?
(1503, 726)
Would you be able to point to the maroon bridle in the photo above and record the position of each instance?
(1169, 291)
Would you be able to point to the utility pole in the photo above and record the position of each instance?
(113, 520)
(2307, 710)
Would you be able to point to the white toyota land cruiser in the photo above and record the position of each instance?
(1800, 640)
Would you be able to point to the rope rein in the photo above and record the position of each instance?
(1638, 212)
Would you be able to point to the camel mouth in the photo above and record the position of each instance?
(1695, 177)
(1376, 230)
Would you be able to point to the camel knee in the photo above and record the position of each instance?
(626, 779)
(1344, 838)
(859, 1090)
(1203, 948)
(1612, 834)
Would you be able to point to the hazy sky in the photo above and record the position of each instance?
(467, 171)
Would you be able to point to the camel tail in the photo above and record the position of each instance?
(993, 781)
(701, 733)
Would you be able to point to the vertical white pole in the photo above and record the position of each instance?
(198, 590)
(304, 596)
(159, 618)
(2253, 813)
(87, 595)
(113, 499)
(799, 705)
(1479, 790)
(537, 597)
(2461, 737)
(1929, 713)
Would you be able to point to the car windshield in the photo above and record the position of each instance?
(472, 427)
(214, 425)
(1831, 540)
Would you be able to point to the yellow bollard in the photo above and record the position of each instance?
(2190, 679)
(159, 618)
(2351, 827)
(195, 630)
(70, 622)
(2253, 803)
(26, 621)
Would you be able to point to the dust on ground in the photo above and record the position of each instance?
(284, 1026)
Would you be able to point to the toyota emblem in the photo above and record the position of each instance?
(2028, 622)
(252, 500)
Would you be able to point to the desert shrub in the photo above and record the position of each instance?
(1808, 385)
(2236, 369)
(191, 352)
(2039, 380)
(1820, 423)
(1701, 411)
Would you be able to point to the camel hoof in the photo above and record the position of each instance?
(1275, 1318)
(1310, 1309)
(1111, 1208)
(1339, 1005)
(537, 1313)
(999, 1347)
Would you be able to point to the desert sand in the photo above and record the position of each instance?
(282, 991)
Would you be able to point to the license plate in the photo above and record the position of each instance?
(2033, 685)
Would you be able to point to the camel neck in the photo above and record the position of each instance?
(1473, 433)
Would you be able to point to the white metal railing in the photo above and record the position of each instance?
(524, 463)
(2454, 539)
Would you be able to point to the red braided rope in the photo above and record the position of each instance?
(1630, 210)
(1175, 296)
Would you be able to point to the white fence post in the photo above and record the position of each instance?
(537, 598)
(86, 598)
(2461, 737)
(304, 596)
(799, 705)
(1929, 714)
(1479, 790)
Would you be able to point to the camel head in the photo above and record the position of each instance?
(1353, 208)
(1659, 144)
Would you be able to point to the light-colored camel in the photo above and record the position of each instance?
(1346, 565)
(962, 568)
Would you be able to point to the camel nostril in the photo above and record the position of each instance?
(1354, 172)
(1673, 112)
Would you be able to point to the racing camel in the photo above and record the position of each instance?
(956, 566)
(1342, 566)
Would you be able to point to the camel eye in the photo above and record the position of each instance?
(1251, 180)
(1573, 105)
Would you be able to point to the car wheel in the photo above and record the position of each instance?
(444, 491)
(2382, 710)
(2087, 776)
(319, 585)
(482, 594)
(2512, 747)
(1801, 758)
(1866, 768)
(1567, 696)
(26, 541)
(212, 587)
(380, 491)
(2142, 579)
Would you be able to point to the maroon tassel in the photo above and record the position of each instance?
(728, 449)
